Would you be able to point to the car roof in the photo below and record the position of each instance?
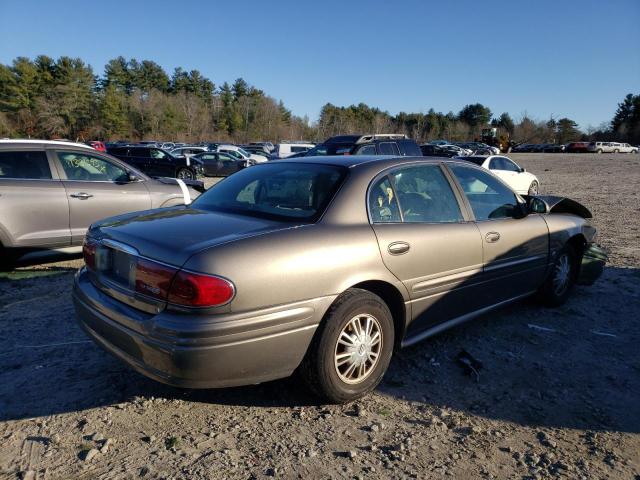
(27, 142)
(351, 161)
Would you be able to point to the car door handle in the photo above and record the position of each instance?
(492, 237)
(398, 248)
(81, 195)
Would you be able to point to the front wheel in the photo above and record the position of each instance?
(557, 287)
(185, 174)
(534, 188)
(599, 150)
(351, 349)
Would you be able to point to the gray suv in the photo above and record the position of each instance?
(50, 192)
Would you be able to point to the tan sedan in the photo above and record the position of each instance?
(326, 265)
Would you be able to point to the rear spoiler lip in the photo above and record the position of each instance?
(556, 204)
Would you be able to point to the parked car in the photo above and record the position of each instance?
(50, 192)
(240, 153)
(460, 151)
(611, 147)
(97, 145)
(518, 179)
(284, 150)
(188, 151)
(156, 162)
(577, 147)
(324, 266)
(553, 148)
(268, 145)
(627, 148)
(432, 150)
(219, 164)
(257, 150)
(377, 144)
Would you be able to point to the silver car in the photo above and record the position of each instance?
(50, 192)
(325, 265)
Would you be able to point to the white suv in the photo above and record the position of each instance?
(611, 147)
(508, 171)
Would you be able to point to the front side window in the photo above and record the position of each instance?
(281, 191)
(383, 205)
(509, 166)
(81, 166)
(488, 197)
(425, 195)
(25, 165)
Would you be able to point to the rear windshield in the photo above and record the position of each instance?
(281, 191)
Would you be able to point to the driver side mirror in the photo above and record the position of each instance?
(522, 169)
(536, 205)
(133, 177)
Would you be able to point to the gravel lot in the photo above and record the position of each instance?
(558, 395)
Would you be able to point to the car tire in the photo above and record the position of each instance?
(340, 365)
(599, 150)
(185, 174)
(560, 280)
(534, 188)
(616, 151)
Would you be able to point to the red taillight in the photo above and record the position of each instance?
(89, 248)
(153, 279)
(181, 288)
(197, 290)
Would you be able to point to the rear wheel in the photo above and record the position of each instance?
(534, 188)
(616, 151)
(557, 287)
(352, 348)
(185, 174)
(599, 150)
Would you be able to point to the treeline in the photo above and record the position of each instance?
(462, 126)
(135, 100)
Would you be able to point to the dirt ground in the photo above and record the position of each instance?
(558, 395)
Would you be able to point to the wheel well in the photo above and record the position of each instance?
(578, 243)
(393, 298)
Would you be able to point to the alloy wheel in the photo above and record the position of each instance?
(562, 273)
(358, 348)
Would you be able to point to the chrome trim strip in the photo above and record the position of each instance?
(489, 268)
(456, 321)
(123, 247)
(457, 274)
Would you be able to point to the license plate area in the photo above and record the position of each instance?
(117, 266)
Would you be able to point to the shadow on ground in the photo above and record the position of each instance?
(572, 367)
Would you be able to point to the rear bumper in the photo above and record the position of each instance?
(594, 259)
(200, 351)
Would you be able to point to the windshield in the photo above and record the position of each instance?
(281, 191)
(244, 152)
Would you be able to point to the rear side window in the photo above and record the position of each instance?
(388, 148)
(25, 165)
(409, 148)
(425, 195)
(366, 150)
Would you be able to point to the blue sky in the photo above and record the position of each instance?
(574, 58)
